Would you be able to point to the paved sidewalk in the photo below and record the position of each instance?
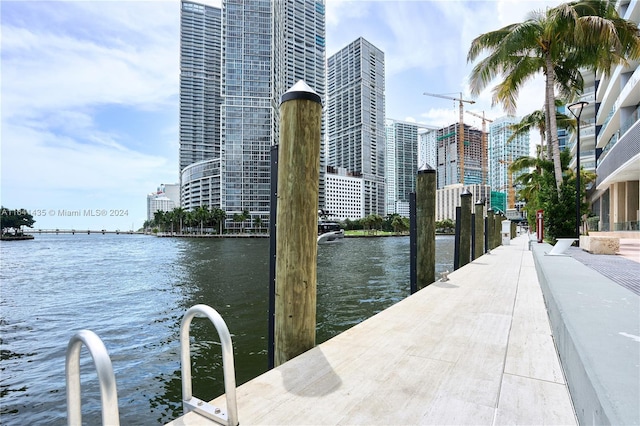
(622, 269)
(475, 350)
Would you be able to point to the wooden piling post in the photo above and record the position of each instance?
(426, 226)
(297, 222)
(488, 233)
(479, 230)
(465, 227)
(497, 229)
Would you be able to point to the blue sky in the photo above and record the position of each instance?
(89, 92)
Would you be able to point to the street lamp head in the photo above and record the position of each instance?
(576, 108)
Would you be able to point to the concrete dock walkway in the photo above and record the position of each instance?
(476, 349)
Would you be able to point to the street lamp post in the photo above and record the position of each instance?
(576, 111)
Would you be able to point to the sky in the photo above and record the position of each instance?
(89, 92)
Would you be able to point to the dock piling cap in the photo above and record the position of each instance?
(300, 90)
(425, 168)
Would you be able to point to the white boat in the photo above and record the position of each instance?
(329, 232)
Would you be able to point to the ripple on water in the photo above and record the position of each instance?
(133, 291)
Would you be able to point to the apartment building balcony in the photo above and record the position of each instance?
(587, 144)
(615, 110)
(620, 160)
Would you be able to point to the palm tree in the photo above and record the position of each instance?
(241, 218)
(536, 173)
(160, 219)
(537, 120)
(557, 42)
(179, 215)
(218, 217)
(257, 222)
(202, 215)
(536, 189)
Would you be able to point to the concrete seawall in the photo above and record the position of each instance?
(596, 327)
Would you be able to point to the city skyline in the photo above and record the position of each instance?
(90, 92)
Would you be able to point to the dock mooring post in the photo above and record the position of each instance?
(273, 209)
(479, 229)
(497, 227)
(488, 232)
(426, 226)
(297, 222)
(465, 227)
(456, 241)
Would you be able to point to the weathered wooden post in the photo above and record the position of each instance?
(426, 226)
(456, 241)
(497, 228)
(297, 222)
(465, 227)
(479, 230)
(488, 234)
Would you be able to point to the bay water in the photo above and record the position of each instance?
(132, 291)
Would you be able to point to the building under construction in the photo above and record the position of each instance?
(448, 169)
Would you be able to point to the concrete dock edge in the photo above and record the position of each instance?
(596, 328)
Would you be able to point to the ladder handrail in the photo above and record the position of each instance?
(189, 402)
(106, 378)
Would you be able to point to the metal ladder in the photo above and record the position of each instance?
(190, 402)
(107, 380)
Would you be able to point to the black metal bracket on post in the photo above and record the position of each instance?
(272, 257)
(413, 246)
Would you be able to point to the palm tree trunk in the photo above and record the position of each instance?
(552, 131)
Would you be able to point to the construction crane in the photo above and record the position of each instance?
(460, 132)
(484, 143)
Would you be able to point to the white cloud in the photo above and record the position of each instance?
(61, 72)
(336, 11)
(63, 62)
(65, 163)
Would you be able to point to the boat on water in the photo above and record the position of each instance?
(329, 232)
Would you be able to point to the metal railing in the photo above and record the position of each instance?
(191, 403)
(106, 378)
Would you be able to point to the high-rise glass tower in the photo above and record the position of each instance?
(355, 118)
(263, 48)
(247, 110)
(199, 83)
(401, 163)
(200, 100)
(502, 153)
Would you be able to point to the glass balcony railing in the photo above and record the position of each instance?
(635, 116)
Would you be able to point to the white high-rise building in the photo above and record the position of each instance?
(166, 198)
(427, 148)
(502, 153)
(200, 100)
(401, 163)
(344, 195)
(616, 197)
(355, 118)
